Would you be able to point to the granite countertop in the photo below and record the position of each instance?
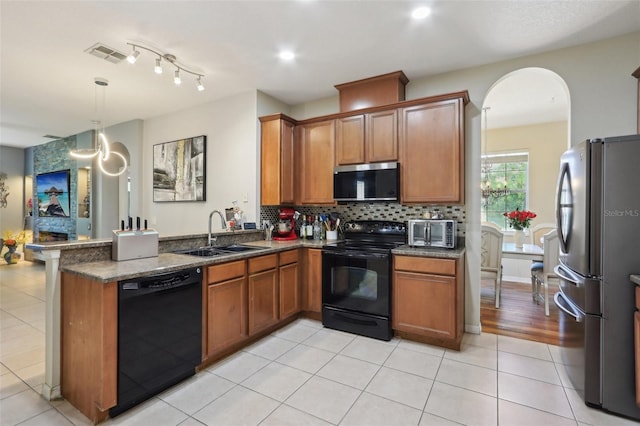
(407, 250)
(635, 279)
(108, 270)
(102, 242)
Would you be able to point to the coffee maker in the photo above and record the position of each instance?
(286, 227)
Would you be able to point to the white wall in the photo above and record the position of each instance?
(232, 166)
(603, 98)
(12, 163)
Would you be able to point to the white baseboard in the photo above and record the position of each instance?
(515, 279)
(473, 328)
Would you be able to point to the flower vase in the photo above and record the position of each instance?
(11, 257)
(519, 238)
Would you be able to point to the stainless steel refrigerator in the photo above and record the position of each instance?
(598, 220)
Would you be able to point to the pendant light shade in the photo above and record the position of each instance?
(101, 151)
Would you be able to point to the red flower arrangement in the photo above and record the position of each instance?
(519, 219)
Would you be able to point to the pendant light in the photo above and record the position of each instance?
(100, 149)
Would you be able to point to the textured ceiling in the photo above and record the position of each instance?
(46, 84)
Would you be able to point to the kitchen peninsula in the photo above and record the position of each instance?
(86, 269)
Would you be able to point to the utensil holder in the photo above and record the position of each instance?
(332, 235)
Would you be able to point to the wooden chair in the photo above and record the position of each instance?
(541, 276)
(491, 257)
(537, 231)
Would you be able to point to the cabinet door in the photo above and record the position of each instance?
(317, 146)
(432, 153)
(263, 300)
(424, 304)
(350, 140)
(382, 136)
(289, 290)
(226, 314)
(276, 162)
(313, 281)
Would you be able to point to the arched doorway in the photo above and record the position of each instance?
(525, 130)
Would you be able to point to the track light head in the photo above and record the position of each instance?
(200, 86)
(158, 68)
(134, 56)
(176, 78)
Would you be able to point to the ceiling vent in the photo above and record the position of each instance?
(105, 52)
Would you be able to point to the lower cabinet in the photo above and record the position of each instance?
(226, 305)
(636, 332)
(313, 281)
(428, 299)
(289, 283)
(263, 292)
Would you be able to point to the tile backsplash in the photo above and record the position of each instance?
(375, 211)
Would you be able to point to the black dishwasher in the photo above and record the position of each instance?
(159, 334)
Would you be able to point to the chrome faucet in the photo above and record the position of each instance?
(222, 222)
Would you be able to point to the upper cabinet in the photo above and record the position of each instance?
(431, 146)
(276, 160)
(426, 137)
(367, 138)
(315, 162)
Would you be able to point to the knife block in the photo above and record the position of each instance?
(131, 244)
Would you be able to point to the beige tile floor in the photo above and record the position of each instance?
(304, 374)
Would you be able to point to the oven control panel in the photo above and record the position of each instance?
(375, 227)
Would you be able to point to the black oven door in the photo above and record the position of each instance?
(356, 281)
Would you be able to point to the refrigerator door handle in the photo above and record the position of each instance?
(568, 275)
(565, 306)
(564, 228)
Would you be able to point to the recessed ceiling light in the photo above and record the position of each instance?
(421, 12)
(287, 55)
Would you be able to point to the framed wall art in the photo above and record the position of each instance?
(179, 170)
(53, 194)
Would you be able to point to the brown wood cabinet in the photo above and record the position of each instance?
(636, 332)
(431, 146)
(428, 299)
(636, 74)
(312, 283)
(350, 140)
(226, 305)
(316, 162)
(367, 138)
(89, 344)
(289, 283)
(277, 160)
(263, 292)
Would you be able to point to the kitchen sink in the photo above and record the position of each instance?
(236, 248)
(217, 251)
(202, 252)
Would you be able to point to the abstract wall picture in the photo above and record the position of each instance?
(53, 194)
(179, 170)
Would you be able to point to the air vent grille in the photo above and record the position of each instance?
(105, 52)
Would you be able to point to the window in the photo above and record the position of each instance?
(505, 183)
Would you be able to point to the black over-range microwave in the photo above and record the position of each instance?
(367, 182)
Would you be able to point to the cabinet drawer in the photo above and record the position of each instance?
(287, 257)
(638, 297)
(262, 263)
(225, 271)
(426, 265)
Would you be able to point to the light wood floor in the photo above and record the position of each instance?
(518, 315)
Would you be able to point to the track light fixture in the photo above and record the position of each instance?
(167, 58)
